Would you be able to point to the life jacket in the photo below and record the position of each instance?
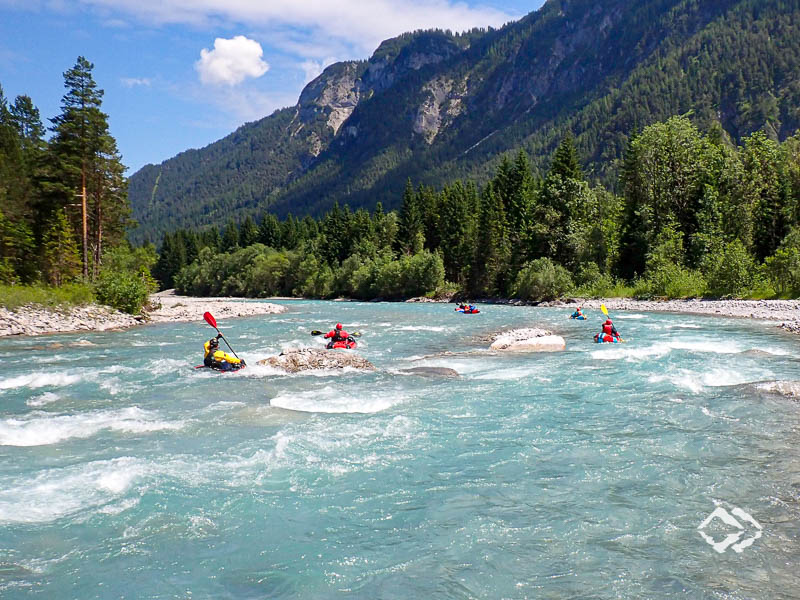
(217, 357)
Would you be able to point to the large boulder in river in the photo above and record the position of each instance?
(528, 340)
(295, 360)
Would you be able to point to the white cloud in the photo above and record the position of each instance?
(231, 61)
(135, 81)
(359, 24)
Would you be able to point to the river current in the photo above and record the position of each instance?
(588, 473)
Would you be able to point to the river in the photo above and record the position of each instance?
(126, 473)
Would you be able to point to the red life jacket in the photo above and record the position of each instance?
(608, 329)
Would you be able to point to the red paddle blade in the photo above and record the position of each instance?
(210, 319)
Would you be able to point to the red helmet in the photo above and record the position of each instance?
(608, 322)
(338, 326)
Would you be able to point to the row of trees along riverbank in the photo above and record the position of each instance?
(63, 201)
(695, 215)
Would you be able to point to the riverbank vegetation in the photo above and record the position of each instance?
(694, 215)
(64, 207)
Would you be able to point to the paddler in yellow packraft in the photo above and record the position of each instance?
(217, 359)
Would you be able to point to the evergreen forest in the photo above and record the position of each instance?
(64, 210)
(697, 215)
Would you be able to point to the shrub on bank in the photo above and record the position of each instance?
(71, 294)
(542, 279)
(731, 271)
(122, 290)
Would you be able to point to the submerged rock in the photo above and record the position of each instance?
(528, 340)
(790, 389)
(431, 371)
(295, 360)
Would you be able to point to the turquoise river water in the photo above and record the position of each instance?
(125, 473)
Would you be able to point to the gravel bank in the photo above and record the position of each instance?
(35, 320)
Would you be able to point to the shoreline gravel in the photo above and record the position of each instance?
(169, 308)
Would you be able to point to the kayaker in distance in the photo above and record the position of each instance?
(217, 359)
(578, 314)
(466, 308)
(337, 334)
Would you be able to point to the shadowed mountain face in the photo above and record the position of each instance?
(434, 107)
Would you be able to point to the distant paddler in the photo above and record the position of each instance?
(578, 315)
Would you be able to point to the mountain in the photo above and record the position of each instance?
(434, 106)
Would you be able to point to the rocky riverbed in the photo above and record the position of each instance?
(165, 307)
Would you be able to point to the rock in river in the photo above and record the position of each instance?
(295, 360)
(431, 371)
(528, 340)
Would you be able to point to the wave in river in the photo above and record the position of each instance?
(41, 429)
(56, 493)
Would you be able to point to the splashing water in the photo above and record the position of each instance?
(125, 472)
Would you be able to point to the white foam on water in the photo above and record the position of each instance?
(117, 369)
(55, 493)
(223, 405)
(42, 429)
(514, 374)
(684, 326)
(461, 366)
(774, 351)
(420, 328)
(696, 382)
(46, 398)
(628, 351)
(630, 316)
(329, 400)
(119, 507)
(51, 358)
(716, 347)
(40, 380)
(162, 366)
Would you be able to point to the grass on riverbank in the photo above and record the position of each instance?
(73, 294)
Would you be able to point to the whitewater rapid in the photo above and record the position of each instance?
(125, 472)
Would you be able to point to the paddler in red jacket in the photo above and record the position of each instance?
(337, 334)
(609, 332)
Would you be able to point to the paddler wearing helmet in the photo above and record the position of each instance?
(217, 359)
(337, 334)
(608, 332)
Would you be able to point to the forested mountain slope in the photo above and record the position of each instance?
(434, 106)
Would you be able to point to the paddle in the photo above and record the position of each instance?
(213, 322)
(605, 312)
(317, 332)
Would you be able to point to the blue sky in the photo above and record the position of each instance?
(180, 74)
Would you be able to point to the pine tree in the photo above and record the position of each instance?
(230, 237)
(87, 164)
(410, 222)
(248, 232)
(492, 253)
(269, 232)
(565, 160)
(60, 253)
